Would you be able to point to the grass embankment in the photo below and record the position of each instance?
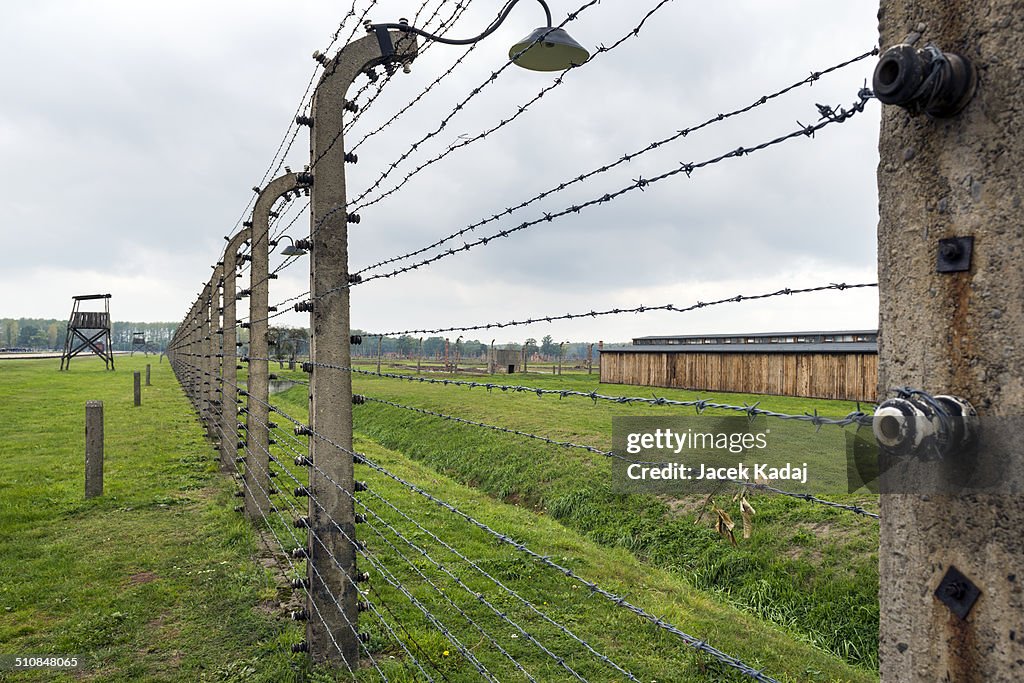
(808, 568)
(158, 579)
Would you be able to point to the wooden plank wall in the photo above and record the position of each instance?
(846, 376)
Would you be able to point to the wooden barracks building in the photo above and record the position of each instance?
(837, 365)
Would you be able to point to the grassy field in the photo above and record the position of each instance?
(809, 568)
(160, 580)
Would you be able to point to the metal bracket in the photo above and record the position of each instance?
(957, 592)
(954, 254)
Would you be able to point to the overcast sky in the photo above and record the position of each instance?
(132, 132)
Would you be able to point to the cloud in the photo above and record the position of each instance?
(135, 131)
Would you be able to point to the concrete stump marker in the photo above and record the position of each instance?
(93, 449)
(138, 388)
(148, 384)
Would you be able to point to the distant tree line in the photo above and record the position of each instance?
(47, 334)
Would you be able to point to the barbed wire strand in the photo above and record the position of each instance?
(788, 291)
(462, 103)
(829, 116)
(520, 110)
(809, 80)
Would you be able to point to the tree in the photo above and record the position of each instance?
(51, 335)
(547, 346)
(31, 337)
(10, 332)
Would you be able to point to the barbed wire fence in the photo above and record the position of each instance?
(359, 589)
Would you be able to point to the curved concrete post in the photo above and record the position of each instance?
(330, 407)
(257, 458)
(229, 365)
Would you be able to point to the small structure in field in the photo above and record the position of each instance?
(88, 331)
(835, 365)
(507, 361)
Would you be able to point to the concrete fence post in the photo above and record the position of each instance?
(332, 557)
(93, 449)
(955, 333)
(257, 457)
(148, 383)
(229, 368)
(138, 387)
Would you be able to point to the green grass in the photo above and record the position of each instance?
(159, 580)
(808, 568)
(155, 580)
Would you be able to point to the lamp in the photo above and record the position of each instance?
(293, 249)
(545, 49)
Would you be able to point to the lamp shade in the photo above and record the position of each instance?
(292, 250)
(548, 49)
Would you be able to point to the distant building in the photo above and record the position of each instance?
(507, 361)
(837, 365)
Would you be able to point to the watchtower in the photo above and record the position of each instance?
(139, 343)
(88, 331)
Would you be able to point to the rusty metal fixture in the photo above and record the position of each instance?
(928, 80)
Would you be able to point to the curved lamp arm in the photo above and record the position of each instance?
(465, 41)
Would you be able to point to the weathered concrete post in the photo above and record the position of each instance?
(380, 343)
(590, 359)
(93, 449)
(954, 333)
(332, 514)
(491, 360)
(138, 388)
(419, 357)
(229, 372)
(257, 457)
(148, 383)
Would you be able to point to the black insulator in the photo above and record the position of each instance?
(300, 553)
(301, 491)
(352, 106)
(358, 400)
(364, 637)
(239, 494)
(300, 647)
(362, 577)
(307, 367)
(351, 158)
(361, 486)
(303, 307)
(300, 583)
(355, 339)
(298, 615)
(355, 278)
(353, 218)
(304, 179)
(301, 523)
(304, 120)
(303, 461)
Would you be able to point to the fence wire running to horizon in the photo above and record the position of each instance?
(388, 565)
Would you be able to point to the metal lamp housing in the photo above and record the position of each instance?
(548, 49)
